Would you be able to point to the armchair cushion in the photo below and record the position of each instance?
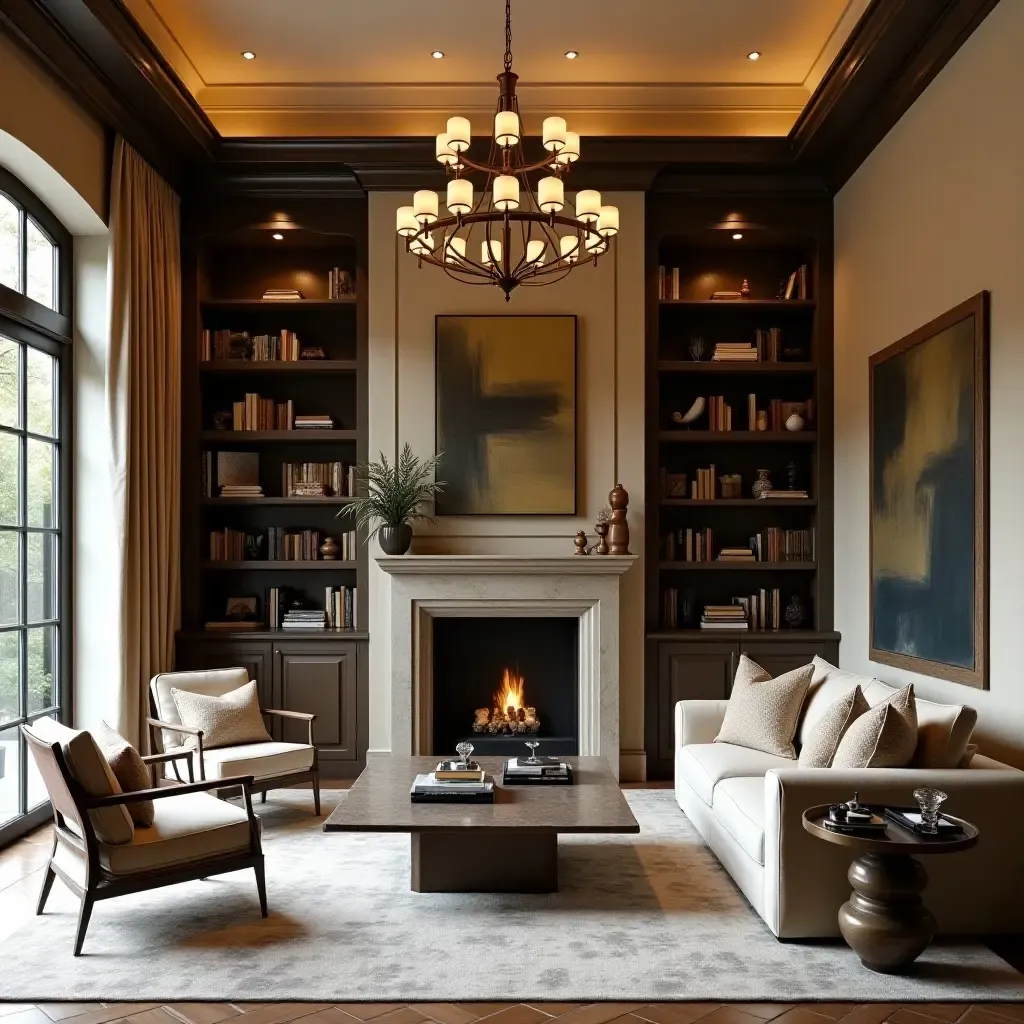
(704, 765)
(739, 808)
(213, 682)
(227, 720)
(129, 769)
(90, 770)
(261, 760)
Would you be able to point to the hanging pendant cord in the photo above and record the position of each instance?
(508, 35)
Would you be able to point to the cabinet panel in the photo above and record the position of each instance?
(697, 671)
(255, 658)
(777, 658)
(320, 679)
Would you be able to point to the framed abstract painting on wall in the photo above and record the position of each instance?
(506, 414)
(929, 498)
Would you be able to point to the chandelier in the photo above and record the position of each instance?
(520, 236)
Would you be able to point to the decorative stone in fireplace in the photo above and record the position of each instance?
(424, 589)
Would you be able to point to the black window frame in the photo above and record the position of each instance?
(35, 325)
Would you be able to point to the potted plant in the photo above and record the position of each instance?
(393, 496)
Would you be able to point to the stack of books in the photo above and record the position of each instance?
(452, 785)
(518, 771)
(304, 618)
(724, 616)
(735, 555)
(279, 294)
(784, 494)
(734, 352)
(241, 491)
(314, 422)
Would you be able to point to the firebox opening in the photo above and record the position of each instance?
(501, 681)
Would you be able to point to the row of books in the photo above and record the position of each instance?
(759, 611)
(311, 479)
(768, 342)
(796, 285)
(228, 345)
(340, 283)
(689, 545)
(256, 413)
(734, 352)
(778, 545)
(228, 545)
(340, 606)
(773, 544)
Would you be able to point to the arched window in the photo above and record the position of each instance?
(35, 337)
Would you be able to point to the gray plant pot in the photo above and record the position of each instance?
(395, 540)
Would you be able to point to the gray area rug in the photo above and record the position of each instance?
(646, 917)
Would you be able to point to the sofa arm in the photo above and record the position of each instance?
(698, 721)
(971, 892)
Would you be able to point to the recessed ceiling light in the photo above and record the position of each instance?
(277, 236)
(248, 55)
(754, 55)
(437, 54)
(572, 54)
(738, 235)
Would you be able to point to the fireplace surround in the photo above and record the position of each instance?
(425, 588)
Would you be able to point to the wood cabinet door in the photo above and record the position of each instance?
(320, 679)
(256, 658)
(783, 656)
(690, 671)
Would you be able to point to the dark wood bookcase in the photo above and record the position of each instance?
(695, 234)
(230, 258)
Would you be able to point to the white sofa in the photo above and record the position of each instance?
(748, 805)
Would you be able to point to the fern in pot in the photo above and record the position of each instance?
(392, 498)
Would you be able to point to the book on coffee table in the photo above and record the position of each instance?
(428, 789)
(551, 771)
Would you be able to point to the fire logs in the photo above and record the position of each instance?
(510, 722)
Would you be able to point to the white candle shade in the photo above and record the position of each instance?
(506, 192)
(444, 152)
(570, 152)
(535, 250)
(424, 205)
(458, 133)
(490, 252)
(406, 221)
(554, 133)
(608, 221)
(454, 247)
(460, 195)
(550, 194)
(422, 245)
(569, 247)
(506, 127)
(588, 204)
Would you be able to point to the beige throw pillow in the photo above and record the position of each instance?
(763, 712)
(825, 735)
(884, 737)
(129, 769)
(226, 721)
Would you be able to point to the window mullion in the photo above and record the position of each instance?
(23, 253)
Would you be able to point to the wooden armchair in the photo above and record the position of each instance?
(96, 851)
(272, 764)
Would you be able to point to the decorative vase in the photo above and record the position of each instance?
(794, 613)
(795, 422)
(762, 484)
(329, 550)
(618, 531)
(395, 540)
(601, 529)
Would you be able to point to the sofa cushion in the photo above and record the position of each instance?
(763, 712)
(227, 720)
(826, 733)
(129, 769)
(739, 809)
(704, 765)
(828, 683)
(884, 737)
(261, 760)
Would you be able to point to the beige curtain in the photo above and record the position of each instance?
(143, 390)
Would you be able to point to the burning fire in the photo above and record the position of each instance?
(511, 694)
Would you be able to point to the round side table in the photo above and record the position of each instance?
(884, 920)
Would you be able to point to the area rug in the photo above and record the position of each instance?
(645, 917)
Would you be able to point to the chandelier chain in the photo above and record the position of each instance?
(508, 35)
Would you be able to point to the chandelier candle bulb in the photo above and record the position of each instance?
(570, 152)
(454, 249)
(554, 133)
(422, 244)
(424, 206)
(506, 128)
(490, 252)
(535, 250)
(458, 133)
(506, 192)
(444, 152)
(588, 205)
(550, 194)
(608, 221)
(569, 247)
(460, 195)
(407, 223)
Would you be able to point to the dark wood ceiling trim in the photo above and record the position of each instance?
(894, 51)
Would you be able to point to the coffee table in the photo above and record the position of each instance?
(508, 846)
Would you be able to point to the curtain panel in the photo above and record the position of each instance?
(143, 395)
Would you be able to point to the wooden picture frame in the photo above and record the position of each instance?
(928, 492)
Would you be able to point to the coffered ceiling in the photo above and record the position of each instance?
(358, 68)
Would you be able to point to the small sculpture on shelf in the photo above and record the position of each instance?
(254, 546)
(732, 485)
(795, 612)
(580, 540)
(793, 476)
(329, 550)
(762, 419)
(687, 418)
(745, 289)
(697, 348)
(762, 484)
(601, 529)
(618, 533)
(795, 422)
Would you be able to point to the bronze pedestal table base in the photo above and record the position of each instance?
(884, 921)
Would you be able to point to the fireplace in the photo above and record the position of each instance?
(500, 681)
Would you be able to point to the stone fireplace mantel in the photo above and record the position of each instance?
(424, 587)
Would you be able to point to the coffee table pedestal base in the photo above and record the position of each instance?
(884, 921)
(472, 860)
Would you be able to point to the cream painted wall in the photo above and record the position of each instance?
(609, 301)
(933, 216)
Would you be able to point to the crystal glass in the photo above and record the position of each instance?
(464, 750)
(533, 758)
(929, 800)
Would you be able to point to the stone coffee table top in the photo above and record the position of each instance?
(379, 802)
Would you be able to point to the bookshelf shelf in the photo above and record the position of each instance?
(265, 633)
(738, 436)
(277, 565)
(277, 366)
(739, 368)
(737, 566)
(278, 436)
(740, 304)
(265, 500)
(279, 305)
(739, 502)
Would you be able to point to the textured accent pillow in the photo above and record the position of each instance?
(226, 721)
(763, 712)
(824, 737)
(129, 769)
(884, 737)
